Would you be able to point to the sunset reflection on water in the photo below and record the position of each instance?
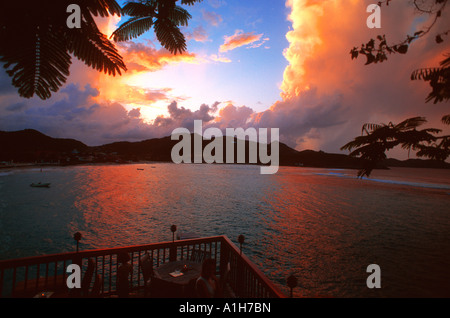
(323, 225)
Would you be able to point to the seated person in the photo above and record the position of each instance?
(123, 272)
(207, 285)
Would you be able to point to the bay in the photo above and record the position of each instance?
(325, 226)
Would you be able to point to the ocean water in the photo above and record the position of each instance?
(323, 225)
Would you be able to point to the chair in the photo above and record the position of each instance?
(123, 283)
(227, 291)
(199, 256)
(97, 288)
(146, 265)
(86, 282)
(190, 291)
(164, 289)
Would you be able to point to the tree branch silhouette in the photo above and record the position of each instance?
(376, 139)
(37, 45)
(377, 50)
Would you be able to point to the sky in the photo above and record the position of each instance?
(263, 64)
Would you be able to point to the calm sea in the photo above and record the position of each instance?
(323, 225)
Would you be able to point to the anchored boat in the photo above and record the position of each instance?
(40, 185)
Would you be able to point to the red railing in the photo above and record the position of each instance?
(29, 276)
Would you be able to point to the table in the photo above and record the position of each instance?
(172, 272)
(171, 281)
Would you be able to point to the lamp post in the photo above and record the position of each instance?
(77, 259)
(77, 237)
(241, 239)
(173, 228)
(173, 249)
(292, 282)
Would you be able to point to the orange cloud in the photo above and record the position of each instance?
(140, 57)
(238, 39)
(323, 32)
(127, 94)
(327, 96)
(303, 39)
(218, 58)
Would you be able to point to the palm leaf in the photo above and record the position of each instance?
(137, 9)
(446, 119)
(101, 8)
(170, 36)
(168, 17)
(179, 16)
(190, 2)
(439, 79)
(37, 43)
(96, 51)
(379, 138)
(426, 74)
(132, 28)
(446, 62)
(38, 64)
(433, 152)
(357, 142)
(410, 123)
(368, 128)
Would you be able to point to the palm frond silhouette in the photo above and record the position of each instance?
(439, 78)
(446, 119)
(37, 44)
(376, 139)
(163, 15)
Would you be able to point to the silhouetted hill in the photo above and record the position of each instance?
(156, 149)
(160, 150)
(32, 146)
(325, 160)
(417, 163)
(25, 145)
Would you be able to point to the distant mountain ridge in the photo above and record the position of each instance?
(17, 144)
(33, 146)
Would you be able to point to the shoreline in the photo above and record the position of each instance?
(25, 166)
(51, 165)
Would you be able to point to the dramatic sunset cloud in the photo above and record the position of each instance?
(316, 94)
(238, 39)
(232, 116)
(327, 97)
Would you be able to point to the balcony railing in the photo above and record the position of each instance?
(26, 277)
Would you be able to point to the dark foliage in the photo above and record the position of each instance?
(37, 44)
(163, 15)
